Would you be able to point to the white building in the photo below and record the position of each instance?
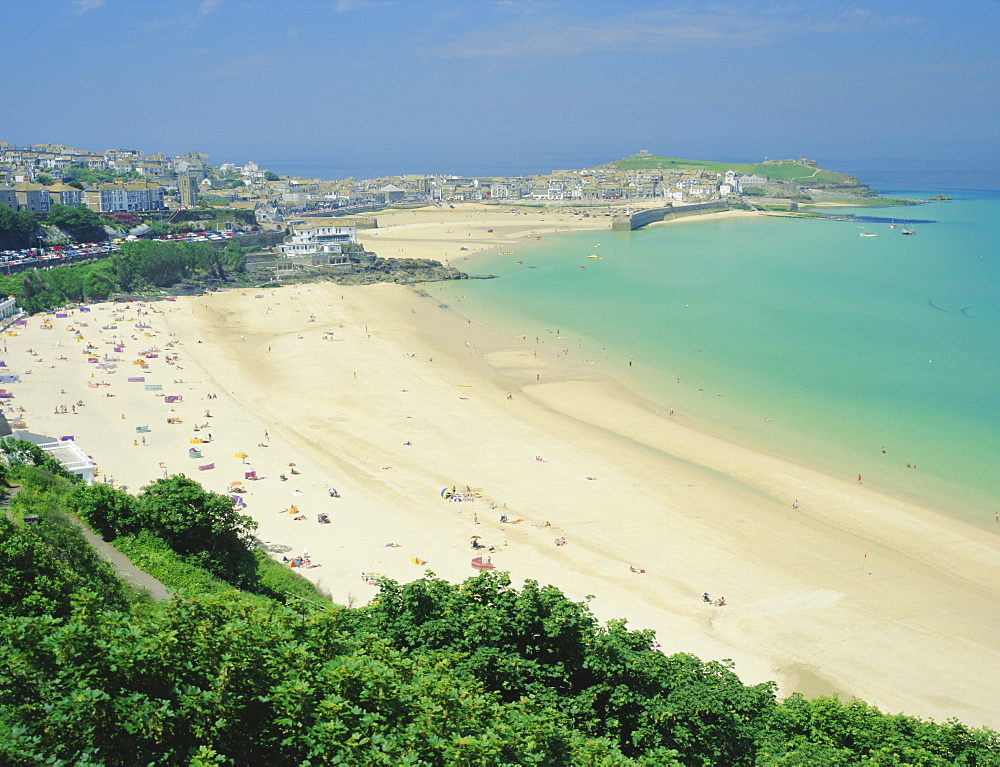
(8, 308)
(111, 198)
(67, 452)
(318, 241)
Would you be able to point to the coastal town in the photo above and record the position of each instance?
(35, 177)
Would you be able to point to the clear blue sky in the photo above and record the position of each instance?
(419, 80)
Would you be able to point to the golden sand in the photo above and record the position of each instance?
(387, 397)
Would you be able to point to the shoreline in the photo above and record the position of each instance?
(938, 493)
(855, 592)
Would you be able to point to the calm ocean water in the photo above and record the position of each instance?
(796, 336)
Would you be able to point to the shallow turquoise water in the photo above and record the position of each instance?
(844, 344)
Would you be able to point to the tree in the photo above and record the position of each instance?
(271, 176)
(536, 643)
(109, 511)
(222, 681)
(42, 566)
(45, 179)
(80, 222)
(158, 229)
(17, 228)
(202, 526)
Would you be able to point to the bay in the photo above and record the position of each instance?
(794, 336)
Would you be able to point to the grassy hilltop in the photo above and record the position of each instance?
(804, 172)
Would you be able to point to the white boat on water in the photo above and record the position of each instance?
(869, 234)
(909, 231)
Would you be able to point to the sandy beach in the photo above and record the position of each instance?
(455, 234)
(390, 399)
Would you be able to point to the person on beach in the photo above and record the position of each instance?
(706, 598)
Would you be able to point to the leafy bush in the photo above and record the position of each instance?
(535, 643)
(42, 566)
(17, 229)
(236, 684)
(79, 221)
(201, 526)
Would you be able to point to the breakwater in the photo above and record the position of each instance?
(669, 213)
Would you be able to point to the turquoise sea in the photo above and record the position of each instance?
(795, 336)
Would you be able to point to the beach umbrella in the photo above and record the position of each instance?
(241, 456)
(235, 482)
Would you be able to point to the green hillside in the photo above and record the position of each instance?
(794, 171)
(249, 665)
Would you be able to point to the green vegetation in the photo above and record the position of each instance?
(138, 266)
(778, 170)
(43, 565)
(884, 202)
(241, 670)
(218, 215)
(17, 229)
(202, 527)
(78, 221)
(937, 197)
(81, 174)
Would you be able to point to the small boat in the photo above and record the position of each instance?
(909, 231)
(507, 253)
(869, 234)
